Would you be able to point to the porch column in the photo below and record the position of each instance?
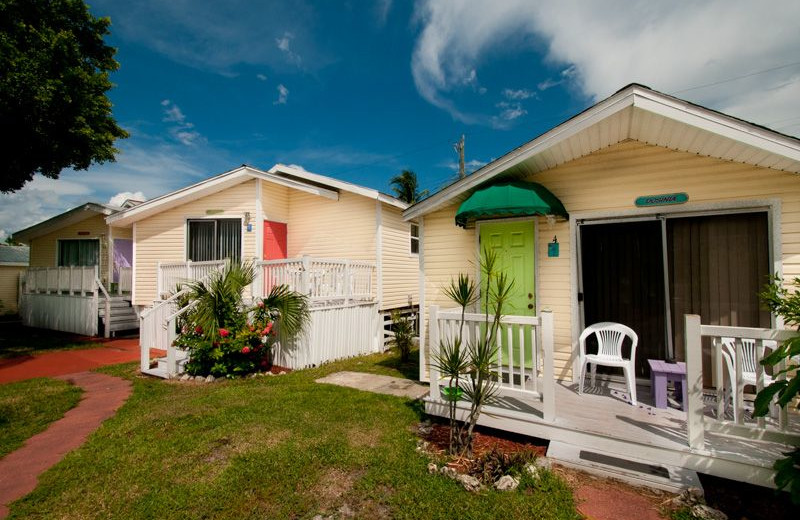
(694, 381)
(548, 397)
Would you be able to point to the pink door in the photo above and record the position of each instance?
(274, 240)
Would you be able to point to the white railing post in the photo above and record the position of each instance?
(695, 422)
(257, 290)
(305, 275)
(350, 281)
(433, 350)
(549, 383)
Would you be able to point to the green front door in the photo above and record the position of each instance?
(514, 244)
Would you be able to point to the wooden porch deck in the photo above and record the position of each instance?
(602, 419)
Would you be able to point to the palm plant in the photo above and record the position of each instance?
(287, 308)
(405, 187)
(217, 300)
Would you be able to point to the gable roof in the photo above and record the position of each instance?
(279, 174)
(77, 214)
(14, 255)
(634, 112)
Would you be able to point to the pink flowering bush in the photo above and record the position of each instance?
(226, 339)
(233, 351)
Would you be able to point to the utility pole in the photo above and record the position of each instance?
(459, 148)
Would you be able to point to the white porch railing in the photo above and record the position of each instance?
(698, 421)
(125, 284)
(173, 274)
(60, 280)
(525, 352)
(319, 278)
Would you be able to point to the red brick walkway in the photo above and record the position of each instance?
(602, 501)
(52, 364)
(20, 470)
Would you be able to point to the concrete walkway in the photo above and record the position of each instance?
(50, 364)
(20, 470)
(376, 383)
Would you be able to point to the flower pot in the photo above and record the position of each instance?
(452, 393)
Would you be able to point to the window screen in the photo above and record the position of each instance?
(215, 239)
(78, 253)
(415, 238)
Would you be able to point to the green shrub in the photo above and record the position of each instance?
(403, 340)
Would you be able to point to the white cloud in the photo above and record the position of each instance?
(284, 44)
(261, 77)
(382, 8)
(182, 130)
(219, 36)
(602, 46)
(151, 166)
(120, 198)
(283, 95)
(518, 94)
(511, 111)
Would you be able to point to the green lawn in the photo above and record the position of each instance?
(269, 447)
(28, 407)
(16, 340)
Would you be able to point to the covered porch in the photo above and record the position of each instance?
(660, 446)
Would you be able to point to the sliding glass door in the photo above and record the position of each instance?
(648, 274)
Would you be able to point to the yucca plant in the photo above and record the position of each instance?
(477, 358)
(451, 361)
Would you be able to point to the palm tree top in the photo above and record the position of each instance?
(405, 187)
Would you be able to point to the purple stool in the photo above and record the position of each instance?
(660, 373)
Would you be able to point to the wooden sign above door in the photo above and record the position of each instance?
(664, 199)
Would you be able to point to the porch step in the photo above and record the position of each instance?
(156, 372)
(123, 316)
(181, 356)
(628, 469)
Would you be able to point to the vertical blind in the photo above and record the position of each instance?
(717, 266)
(78, 253)
(215, 239)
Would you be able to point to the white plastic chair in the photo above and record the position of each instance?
(749, 362)
(609, 352)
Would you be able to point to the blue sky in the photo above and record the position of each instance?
(361, 89)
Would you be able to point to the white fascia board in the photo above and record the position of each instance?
(72, 216)
(207, 187)
(181, 196)
(308, 188)
(718, 124)
(340, 185)
(562, 132)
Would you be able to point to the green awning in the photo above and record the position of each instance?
(509, 199)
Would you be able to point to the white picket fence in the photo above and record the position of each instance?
(171, 275)
(524, 363)
(66, 299)
(332, 333)
(322, 280)
(60, 280)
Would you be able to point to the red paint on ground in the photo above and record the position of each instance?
(603, 501)
(64, 362)
(20, 470)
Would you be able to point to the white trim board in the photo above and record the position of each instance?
(771, 148)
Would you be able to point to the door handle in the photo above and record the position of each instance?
(530, 306)
(530, 296)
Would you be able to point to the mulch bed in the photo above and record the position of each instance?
(484, 441)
